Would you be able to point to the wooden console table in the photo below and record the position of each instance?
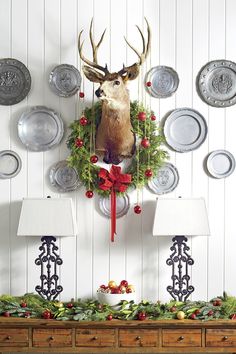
(171, 336)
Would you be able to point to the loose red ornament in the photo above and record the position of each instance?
(89, 194)
(233, 316)
(210, 313)
(137, 209)
(47, 314)
(94, 159)
(83, 121)
(70, 305)
(148, 84)
(23, 304)
(145, 143)
(27, 314)
(153, 117)
(142, 316)
(6, 314)
(142, 116)
(193, 316)
(79, 142)
(148, 173)
(109, 317)
(81, 95)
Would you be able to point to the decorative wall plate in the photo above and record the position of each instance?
(40, 128)
(15, 81)
(63, 177)
(166, 180)
(10, 164)
(185, 129)
(164, 81)
(216, 83)
(122, 205)
(65, 80)
(220, 163)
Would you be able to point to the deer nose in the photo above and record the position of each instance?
(99, 92)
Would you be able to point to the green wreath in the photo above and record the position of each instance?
(149, 158)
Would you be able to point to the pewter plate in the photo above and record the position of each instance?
(122, 205)
(65, 80)
(15, 81)
(216, 83)
(185, 129)
(40, 128)
(166, 180)
(220, 163)
(164, 81)
(10, 164)
(63, 177)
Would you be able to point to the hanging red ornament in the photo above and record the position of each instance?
(83, 121)
(137, 209)
(142, 116)
(81, 95)
(148, 173)
(148, 84)
(145, 143)
(89, 194)
(79, 142)
(94, 159)
(153, 117)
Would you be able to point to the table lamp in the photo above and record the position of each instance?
(47, 217)
(180, 217)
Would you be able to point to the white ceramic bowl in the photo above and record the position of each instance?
(114, 299)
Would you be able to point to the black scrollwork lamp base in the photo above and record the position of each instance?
(180, 261)
(49, 261)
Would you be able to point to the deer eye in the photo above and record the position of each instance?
(117, 82)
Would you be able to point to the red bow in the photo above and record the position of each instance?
(114, 181)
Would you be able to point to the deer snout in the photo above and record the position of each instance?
(99, 92)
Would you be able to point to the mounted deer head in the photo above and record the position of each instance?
(114, 135)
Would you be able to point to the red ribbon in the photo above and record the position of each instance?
(115, 181)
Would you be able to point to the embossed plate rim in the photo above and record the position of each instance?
(151, 73)
(53, 180)
(201, 78)
(26, 77)
(172, 116)
(211, 157)
(123, 212)
(152, 187)
(53, 74)
(51, 112)
(18, 159)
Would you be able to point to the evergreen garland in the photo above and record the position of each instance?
(152, 157)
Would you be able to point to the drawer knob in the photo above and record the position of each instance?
(138, 337)
(181, 338)
(95, 338)
(225, 337)
(8, 337)
(51, 338)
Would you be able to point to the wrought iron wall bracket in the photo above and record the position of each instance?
(180, 261)
(49, 261)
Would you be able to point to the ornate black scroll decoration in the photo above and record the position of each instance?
(180, 260)
(49, 261)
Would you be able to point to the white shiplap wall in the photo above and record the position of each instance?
(186, 34)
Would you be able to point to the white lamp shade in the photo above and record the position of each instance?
(176, 217)
(46, 217)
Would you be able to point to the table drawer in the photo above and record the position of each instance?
(52, 337)
(95, 337)
(221, 338)
(14, 337)
(181, 338)
(138, 338)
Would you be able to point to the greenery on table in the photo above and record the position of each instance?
(33, 306)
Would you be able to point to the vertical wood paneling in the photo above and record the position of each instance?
(5, 51)
(199, 176)
(185, 35)
(18, 244)
(216, 141)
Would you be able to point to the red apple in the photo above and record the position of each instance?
(124, 283)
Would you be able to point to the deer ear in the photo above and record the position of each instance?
(92, 74)
(130, 73)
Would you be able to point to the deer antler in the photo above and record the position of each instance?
(95, 47)
(133, 70)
